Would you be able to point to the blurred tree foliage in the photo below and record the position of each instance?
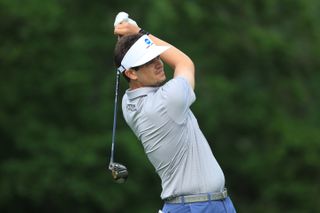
(257, 90)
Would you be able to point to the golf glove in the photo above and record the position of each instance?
(123, 17)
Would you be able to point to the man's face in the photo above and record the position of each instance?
(151, 74)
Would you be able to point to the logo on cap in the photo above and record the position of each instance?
(148, 42)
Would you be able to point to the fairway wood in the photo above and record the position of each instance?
(119, 172)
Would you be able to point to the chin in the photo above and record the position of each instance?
(162, 82)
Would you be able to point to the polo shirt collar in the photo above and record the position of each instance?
(142, 91)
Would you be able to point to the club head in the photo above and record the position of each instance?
(119, 172)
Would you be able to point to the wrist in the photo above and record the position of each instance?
(142, 31)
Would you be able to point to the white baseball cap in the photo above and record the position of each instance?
(142, 51)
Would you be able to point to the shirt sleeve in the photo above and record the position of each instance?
(179, 96)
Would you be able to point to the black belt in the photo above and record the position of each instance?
(198, 197)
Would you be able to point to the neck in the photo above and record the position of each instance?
(134, 85)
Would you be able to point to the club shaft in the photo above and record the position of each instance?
(115, 111)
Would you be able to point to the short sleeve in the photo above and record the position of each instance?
(178, 97)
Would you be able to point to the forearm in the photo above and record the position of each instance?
(177, 60)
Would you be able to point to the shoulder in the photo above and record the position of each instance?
(178, 90)
(177, 82)
(177, 96)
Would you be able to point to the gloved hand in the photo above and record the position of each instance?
(123, 25)
(123, 17)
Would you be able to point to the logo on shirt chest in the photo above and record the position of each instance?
(131, 107)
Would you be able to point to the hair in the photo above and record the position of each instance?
(122, 47)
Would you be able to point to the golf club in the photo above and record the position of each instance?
(119, 172)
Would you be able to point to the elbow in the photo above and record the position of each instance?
(186, 64)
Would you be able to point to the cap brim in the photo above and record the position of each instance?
(152, 52)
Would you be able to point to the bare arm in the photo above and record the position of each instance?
(175, 58)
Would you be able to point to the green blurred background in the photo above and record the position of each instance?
(258, 101)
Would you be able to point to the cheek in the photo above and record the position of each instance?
(145, 76)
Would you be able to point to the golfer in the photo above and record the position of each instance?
(158, 112)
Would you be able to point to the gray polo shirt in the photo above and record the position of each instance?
(162, 120)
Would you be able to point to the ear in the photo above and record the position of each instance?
(130, 73)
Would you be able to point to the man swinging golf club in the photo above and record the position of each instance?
(159, 114)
